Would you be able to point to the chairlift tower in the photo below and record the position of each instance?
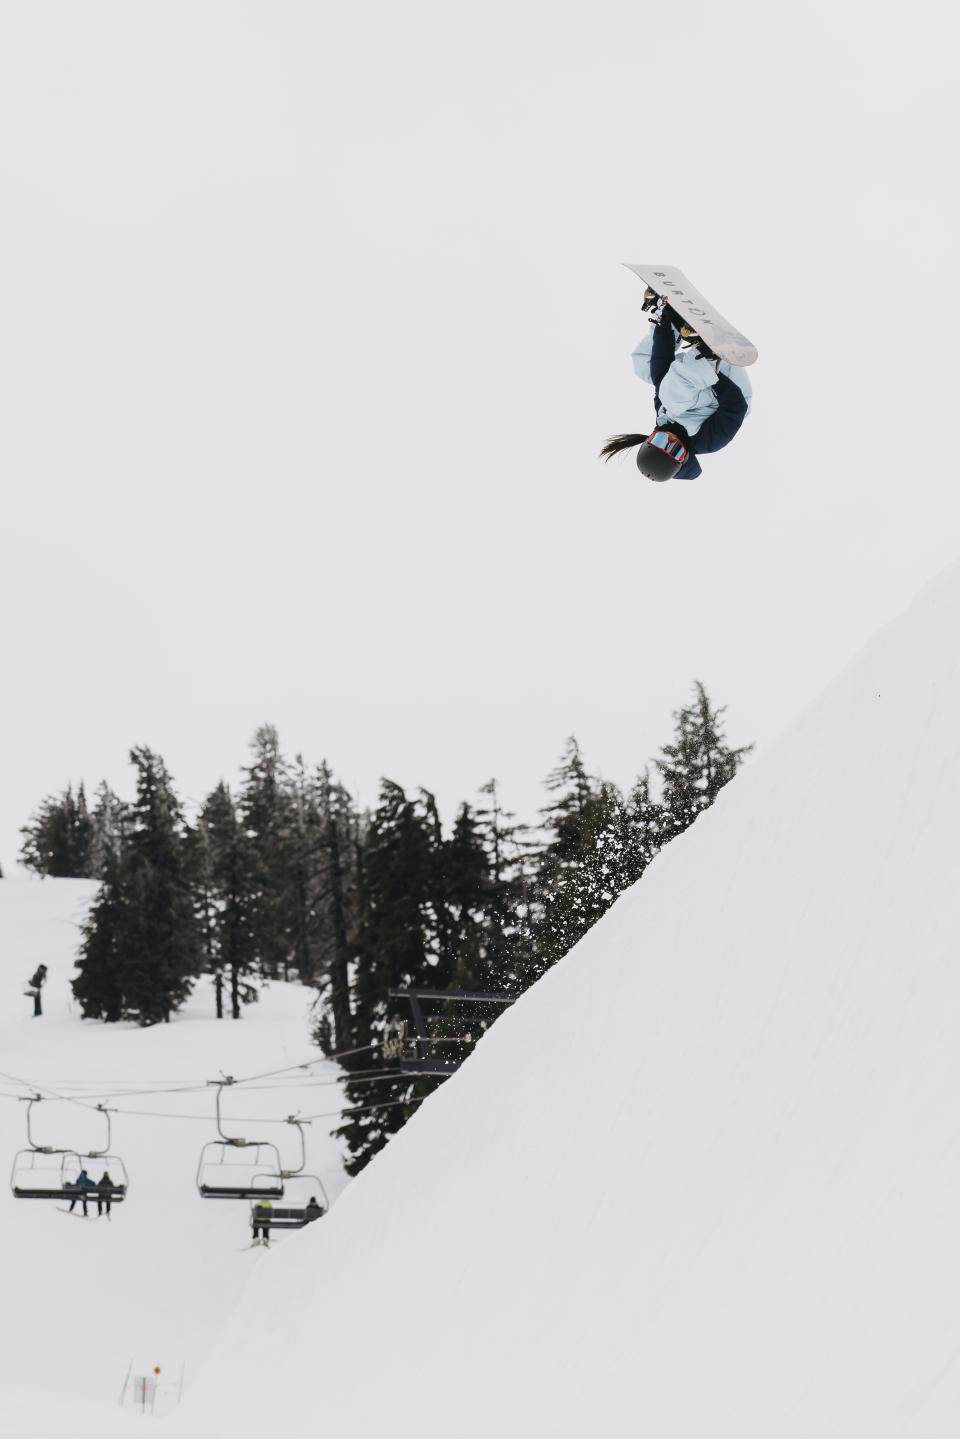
(418, 1056)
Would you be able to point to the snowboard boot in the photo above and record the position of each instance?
(690, 340)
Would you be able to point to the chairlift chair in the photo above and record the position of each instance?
(43, 1172)
(96, 1160)
(40, 1173)
(256, 1174)
(270, 1218)
(267, 1217)
(234, 1168)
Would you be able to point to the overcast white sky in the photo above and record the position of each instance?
(314, 320)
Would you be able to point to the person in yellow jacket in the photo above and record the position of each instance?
(261, 1228)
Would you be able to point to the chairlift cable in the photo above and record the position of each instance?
(83, 1099)
(259, 1119)
(357, 1076)
(364, 1108)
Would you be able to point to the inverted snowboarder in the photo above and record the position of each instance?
(701, 397)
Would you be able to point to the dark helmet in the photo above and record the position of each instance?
(664, 452)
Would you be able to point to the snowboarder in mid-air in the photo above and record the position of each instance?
(700, 400)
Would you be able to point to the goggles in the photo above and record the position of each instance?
(664, 440)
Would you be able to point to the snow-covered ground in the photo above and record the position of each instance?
(704, 1178)
(84, 1300)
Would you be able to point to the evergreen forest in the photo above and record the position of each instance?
(286, 876)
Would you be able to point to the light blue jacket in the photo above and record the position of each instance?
(686, 392)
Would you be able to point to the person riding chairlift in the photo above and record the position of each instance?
(261, 1229)
(82, 1183)
(104, 1194)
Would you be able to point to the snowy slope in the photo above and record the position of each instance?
(705, 1177)
(82, 1300)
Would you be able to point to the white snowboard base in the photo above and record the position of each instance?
(722, 337)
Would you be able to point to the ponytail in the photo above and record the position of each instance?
(620, 442)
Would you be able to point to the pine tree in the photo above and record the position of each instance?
(341, 839)
(141, 948)
(467, 891)
(224, 887)
(57, 838)
(305, 872)
(66, 841)
(397, 942)
(696, 766)
(642, 833)
(391, 944)
(266, 815)
(574, 886)
(100, 987)
(508, 905)
(475, 888)
(109, 822)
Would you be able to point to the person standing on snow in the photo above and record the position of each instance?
(700, 400)
(34, 987)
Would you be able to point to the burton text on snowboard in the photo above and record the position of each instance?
(696, 311)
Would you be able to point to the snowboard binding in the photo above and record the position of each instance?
(690, 340)
(659, 310)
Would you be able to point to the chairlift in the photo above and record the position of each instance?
(300, 1172)
(416, 1053)
(265, 1216)
(108, 1164)
(43, 1172)
(234, 1168)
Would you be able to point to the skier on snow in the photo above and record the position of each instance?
(700, 400)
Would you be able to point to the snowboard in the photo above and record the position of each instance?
(696, 311)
